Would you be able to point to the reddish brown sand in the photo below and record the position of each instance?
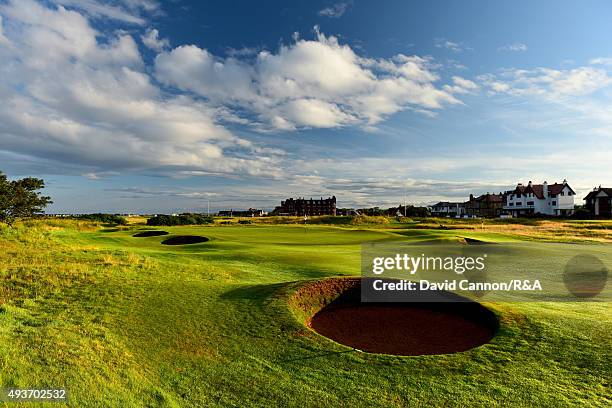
(407, 330)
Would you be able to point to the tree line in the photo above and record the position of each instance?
(181, 219)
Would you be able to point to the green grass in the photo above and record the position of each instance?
(124, 321)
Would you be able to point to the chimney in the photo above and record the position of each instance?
(545, 189)
(529, 183)
(564, 181)
(471, 197)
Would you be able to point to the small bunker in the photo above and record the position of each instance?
(151, 233)
(474, 241)
(185, 240)
(333, 308)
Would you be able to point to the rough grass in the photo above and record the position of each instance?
(123, 321)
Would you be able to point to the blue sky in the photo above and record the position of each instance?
(147, 106)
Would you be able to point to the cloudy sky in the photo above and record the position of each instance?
(150, 106)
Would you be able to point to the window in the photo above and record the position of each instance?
(554, 203)
(529, 202)
(511, 204)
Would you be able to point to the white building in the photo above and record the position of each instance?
(447, 209)
(546, 199)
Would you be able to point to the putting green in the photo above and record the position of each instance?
(129, 322)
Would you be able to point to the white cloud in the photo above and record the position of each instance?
(3, 40)
(601, 61)
(315, 113)
(516, 47)
(151, 40)
(367, 181)
(75, 95)
(461, 86)
(334, 11)
(451, 45)
(331, 83)
(128, 11)
(192, 68)
(549, 83)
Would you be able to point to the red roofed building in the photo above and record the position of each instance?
(546, 199)
(599, 202)
(302, 206)
(486, 205)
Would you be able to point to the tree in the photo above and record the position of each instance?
(20, 198)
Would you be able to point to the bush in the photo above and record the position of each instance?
(105, 218)
(582, 214)
(365, 219)
(245, 222)
(182, 219)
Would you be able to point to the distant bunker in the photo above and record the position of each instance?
(185, 240)
(145, 234)
(333, 308)
(474, 241)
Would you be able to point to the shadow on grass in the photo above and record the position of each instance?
(254, 293)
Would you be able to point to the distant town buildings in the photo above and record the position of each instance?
(486, 205)
(599, 202)
(302, 206)
(524, 200)
(448, 209)
(347, 211)
(546, 199)
(251, 212)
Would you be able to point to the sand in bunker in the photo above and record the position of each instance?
(185, 240)
(145, 234)
(407, 329)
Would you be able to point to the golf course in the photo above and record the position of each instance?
(120, 319)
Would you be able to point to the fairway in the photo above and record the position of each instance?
(131, 322)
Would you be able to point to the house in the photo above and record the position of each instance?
(347, 211)
(546, 199)
(599, 202)
(251, 212)
(448, 209)
(486, 205)
(302, 206)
